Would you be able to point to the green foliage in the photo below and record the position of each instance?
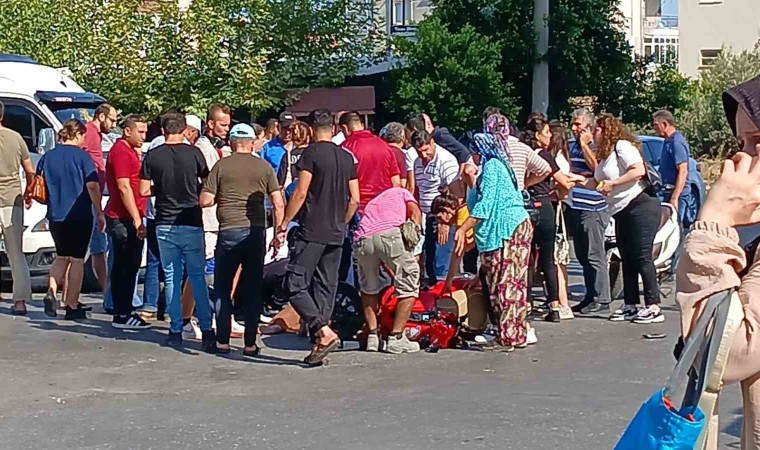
(452, 76)
(703, 121)
(241, 52)
(652, 88)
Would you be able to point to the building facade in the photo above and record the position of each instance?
(706, 26)
(651, 33)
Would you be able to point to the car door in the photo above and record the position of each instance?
(24, 118)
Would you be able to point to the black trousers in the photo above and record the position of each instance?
(431, 240)
(544, 235)
(127, 254)
(244, 247)
(635, 228)
(470, 261)
(312, 281)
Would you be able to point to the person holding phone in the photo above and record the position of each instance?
(713, 259)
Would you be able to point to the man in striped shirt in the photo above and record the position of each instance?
(587, 219)
(435, 169)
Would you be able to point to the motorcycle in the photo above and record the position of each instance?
(666, 243)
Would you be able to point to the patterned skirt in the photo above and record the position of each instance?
(506, 272)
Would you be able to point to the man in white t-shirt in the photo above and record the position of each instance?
(434, 168)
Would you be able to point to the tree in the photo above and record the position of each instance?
(452, 76)
(240, 52)
(588, 53)
(703, 121)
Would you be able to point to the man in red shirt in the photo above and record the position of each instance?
(376, 169)
(124, 220)
(103, 123)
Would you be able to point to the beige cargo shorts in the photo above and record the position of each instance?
(387, 247)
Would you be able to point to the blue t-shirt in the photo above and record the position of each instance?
(67, 169)
(273, 152)
(675, 151)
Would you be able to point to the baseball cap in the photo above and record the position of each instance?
(242, 131)
(193, 121)
(286, 119)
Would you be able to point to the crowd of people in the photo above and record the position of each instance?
(412, 206)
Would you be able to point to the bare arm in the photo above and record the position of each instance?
(28, 170)
(206, 199)
(414, 213)
(128, 199)
(353, 201)
(146, 190)
(279, 206)
(683, 174)
(93, 189)
(297, 199)
(634, 173)
(410, 183)
(396, 181)
(589, 155)
(565, 181)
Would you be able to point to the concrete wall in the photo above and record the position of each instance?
(711, 24)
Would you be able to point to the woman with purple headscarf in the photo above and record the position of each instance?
(503, 236)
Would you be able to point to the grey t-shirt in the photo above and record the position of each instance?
(12, 151)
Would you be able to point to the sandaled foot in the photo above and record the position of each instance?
(222, 349)
(320, 352)
(252, 352)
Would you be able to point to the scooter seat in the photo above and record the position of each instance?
(665, 213)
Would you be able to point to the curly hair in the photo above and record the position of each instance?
(613, 130)
(301, 133)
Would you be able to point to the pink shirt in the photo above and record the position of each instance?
(93, 144)
(384, 212)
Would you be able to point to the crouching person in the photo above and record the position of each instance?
(379, 245)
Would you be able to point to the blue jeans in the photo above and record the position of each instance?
(179, 247)
(153, 271)
(108, 300)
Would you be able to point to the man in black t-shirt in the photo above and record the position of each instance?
(175, 171)
(328, 191)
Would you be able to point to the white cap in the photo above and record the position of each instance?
(193, 121)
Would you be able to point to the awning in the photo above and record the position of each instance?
(352, 98)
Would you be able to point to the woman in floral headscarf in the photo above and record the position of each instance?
(522, 159)
(503, 235)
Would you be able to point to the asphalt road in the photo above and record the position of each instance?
(88, 386)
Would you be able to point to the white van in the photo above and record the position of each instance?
(38, 99)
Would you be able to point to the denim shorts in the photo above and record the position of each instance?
(98, 241)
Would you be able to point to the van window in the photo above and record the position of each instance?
(20, 117)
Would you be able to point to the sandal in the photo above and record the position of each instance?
(320, 352)
(223, 350)
(252, 353)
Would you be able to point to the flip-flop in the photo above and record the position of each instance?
(320, 352)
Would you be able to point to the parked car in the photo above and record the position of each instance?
(38, 99)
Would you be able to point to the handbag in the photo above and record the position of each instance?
(670, 420)
(37, 189)
(561, 245)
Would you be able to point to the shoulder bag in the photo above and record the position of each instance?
(561, 245)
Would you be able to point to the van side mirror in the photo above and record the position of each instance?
(45, 140)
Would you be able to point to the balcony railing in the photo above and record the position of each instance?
(651, 23)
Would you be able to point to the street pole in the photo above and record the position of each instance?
(541, 67)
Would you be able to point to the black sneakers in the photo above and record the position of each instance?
(75, 314)
(132, 322)
(174, 340)
(208, 342)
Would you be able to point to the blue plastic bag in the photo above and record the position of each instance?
(656, 427)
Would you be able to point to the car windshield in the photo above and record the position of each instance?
(68, 110)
